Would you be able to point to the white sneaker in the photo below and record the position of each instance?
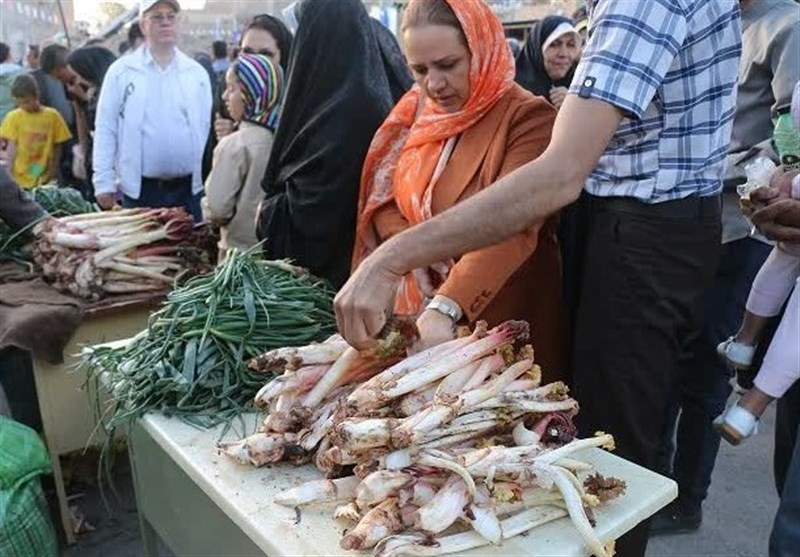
(736, 424)
(736, 354)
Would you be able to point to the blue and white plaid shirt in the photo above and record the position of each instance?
(671, 66)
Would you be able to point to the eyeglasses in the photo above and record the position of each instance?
(163, 18)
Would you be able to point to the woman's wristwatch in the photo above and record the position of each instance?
(446, 306)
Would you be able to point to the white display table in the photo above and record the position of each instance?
(201, 503)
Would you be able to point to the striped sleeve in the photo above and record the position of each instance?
(631, 48)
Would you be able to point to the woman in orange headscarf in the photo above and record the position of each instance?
(464, 125)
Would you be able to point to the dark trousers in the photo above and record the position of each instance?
(785, 538)
(703, 387)
(787, 426)
(16, 377)
(167, 193)
(645, 270)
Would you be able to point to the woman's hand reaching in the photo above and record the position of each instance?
(434, 328)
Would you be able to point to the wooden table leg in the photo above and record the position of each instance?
(61, 494)
(67, 418)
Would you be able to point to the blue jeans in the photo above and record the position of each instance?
(157, 196)
(785, 538)
(703, 389)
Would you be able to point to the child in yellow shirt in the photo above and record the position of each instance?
(34, 134)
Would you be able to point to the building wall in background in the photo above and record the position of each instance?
(24, 22)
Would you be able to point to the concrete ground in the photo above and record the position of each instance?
(737, 516)
(736, 523)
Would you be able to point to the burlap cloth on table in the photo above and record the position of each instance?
(36, 317)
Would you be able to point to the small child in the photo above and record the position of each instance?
(35, 135)
(778, 279)
(233, 188)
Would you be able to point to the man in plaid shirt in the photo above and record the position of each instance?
(644, 132)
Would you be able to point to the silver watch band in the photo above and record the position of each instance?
(451, 310)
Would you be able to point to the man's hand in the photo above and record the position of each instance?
(557, 96)
(107, 201)
(779, 221)
(782, 181)
(364, 303)
(780, 187)
(222, 127)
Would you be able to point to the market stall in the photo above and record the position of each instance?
(78, 278)
(54, 328)
(181, 484)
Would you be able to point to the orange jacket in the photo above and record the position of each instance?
(519, 278)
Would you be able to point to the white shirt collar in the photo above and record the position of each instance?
(151, 62)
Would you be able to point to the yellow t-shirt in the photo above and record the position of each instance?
(35, 134)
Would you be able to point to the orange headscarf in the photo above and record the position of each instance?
(404, 153)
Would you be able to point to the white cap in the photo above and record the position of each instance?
(563, 29)
(145, 5)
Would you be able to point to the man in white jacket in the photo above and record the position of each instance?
(153, 120)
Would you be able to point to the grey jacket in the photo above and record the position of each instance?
(768, 70)
(17, 207)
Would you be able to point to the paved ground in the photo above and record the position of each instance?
(737, 516)
(737, 520)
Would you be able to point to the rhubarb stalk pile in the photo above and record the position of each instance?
(132, 250)
(452, 448)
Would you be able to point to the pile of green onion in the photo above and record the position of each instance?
(191, 361)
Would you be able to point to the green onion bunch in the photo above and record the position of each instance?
(191, 361)
(61, 201)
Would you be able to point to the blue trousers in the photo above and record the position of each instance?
(785, 538)
(703, 389)
(176, 193)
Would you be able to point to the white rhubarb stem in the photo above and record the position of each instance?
(83, 217)
(489, 365)
(574, 504)
(439, 459)
(443, 367)
(603, 440)
(319, 491)
(125, 245)
(135, 271)
(367, 396)
(123, 287)
(454, 383)
(445, 508)
(330, 379)
(395, 546)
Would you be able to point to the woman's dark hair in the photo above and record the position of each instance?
(420, 13)
(135, 33)
(91, 63)
(277, 29)
(220, 49)
(24, 87)
(205, 60)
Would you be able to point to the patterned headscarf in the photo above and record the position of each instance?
(406, 149)
(261, 83)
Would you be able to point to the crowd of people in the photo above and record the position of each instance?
(588, 184)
